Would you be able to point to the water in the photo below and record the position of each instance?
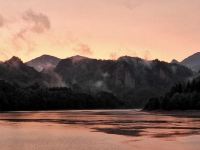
(99, 130)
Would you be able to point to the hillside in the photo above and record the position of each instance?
(131, 79)
(185, 96)
(43, 62)
(192, 62)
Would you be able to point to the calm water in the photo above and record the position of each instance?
(99, 130)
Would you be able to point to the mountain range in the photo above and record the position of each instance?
(45, 62)
(131, 79)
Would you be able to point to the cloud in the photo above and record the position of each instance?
(39, 22)
(21, 40)
(99, 84)
(113, 56)
(34, 22)
(21, 34)
(83, 49)
(2, 21)
(147, 55)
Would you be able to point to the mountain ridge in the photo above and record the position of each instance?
(127, 77)
(130, 79)
(192, 62)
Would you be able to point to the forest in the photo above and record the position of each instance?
(14, 97)
(182, 96)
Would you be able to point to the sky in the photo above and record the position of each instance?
(102, 29)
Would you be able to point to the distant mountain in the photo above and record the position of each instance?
(77, 58)
(15, 71)
(14, 62)
(193, 62)
(129, 78)
(174, 61)
(44, 62)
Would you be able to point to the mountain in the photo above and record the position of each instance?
(15, 71)
(14, 62)
(193, 62)
(174, 61)
(44, 62)
(131, 79)
(77, 58)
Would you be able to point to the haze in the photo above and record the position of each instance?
(106, 29)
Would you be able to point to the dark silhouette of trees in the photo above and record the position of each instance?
(185, 96)
(34, 97)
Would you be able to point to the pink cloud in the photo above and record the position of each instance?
(113, 56)
(83, 49)
(39, 22)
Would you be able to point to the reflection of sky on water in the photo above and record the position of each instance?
(117, 122)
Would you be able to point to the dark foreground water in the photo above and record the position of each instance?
(99, 130)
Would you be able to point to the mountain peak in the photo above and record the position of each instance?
(194, 56)
(174, 61)
(78, 58)
(129, 58)
(15, 62)
(197, 53)
(14, 59)
(47, 56)
(193, 61)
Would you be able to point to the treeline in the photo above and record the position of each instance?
(183, 96)
(14, 98)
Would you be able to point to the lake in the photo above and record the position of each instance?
(99, 130)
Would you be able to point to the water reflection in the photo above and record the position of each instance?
(119, 122)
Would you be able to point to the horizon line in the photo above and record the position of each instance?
(117, 58)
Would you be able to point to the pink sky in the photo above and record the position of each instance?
(150, 29)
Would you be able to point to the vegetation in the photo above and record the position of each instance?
(131, 79)
(14, 97)
(185, 96)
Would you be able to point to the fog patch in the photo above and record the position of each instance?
(147, 64)
(55, 80)
(174, 69)
(113, 56)
(105, 75)
(100, 86)
(83, 49)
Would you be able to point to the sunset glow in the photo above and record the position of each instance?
(105, 29)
